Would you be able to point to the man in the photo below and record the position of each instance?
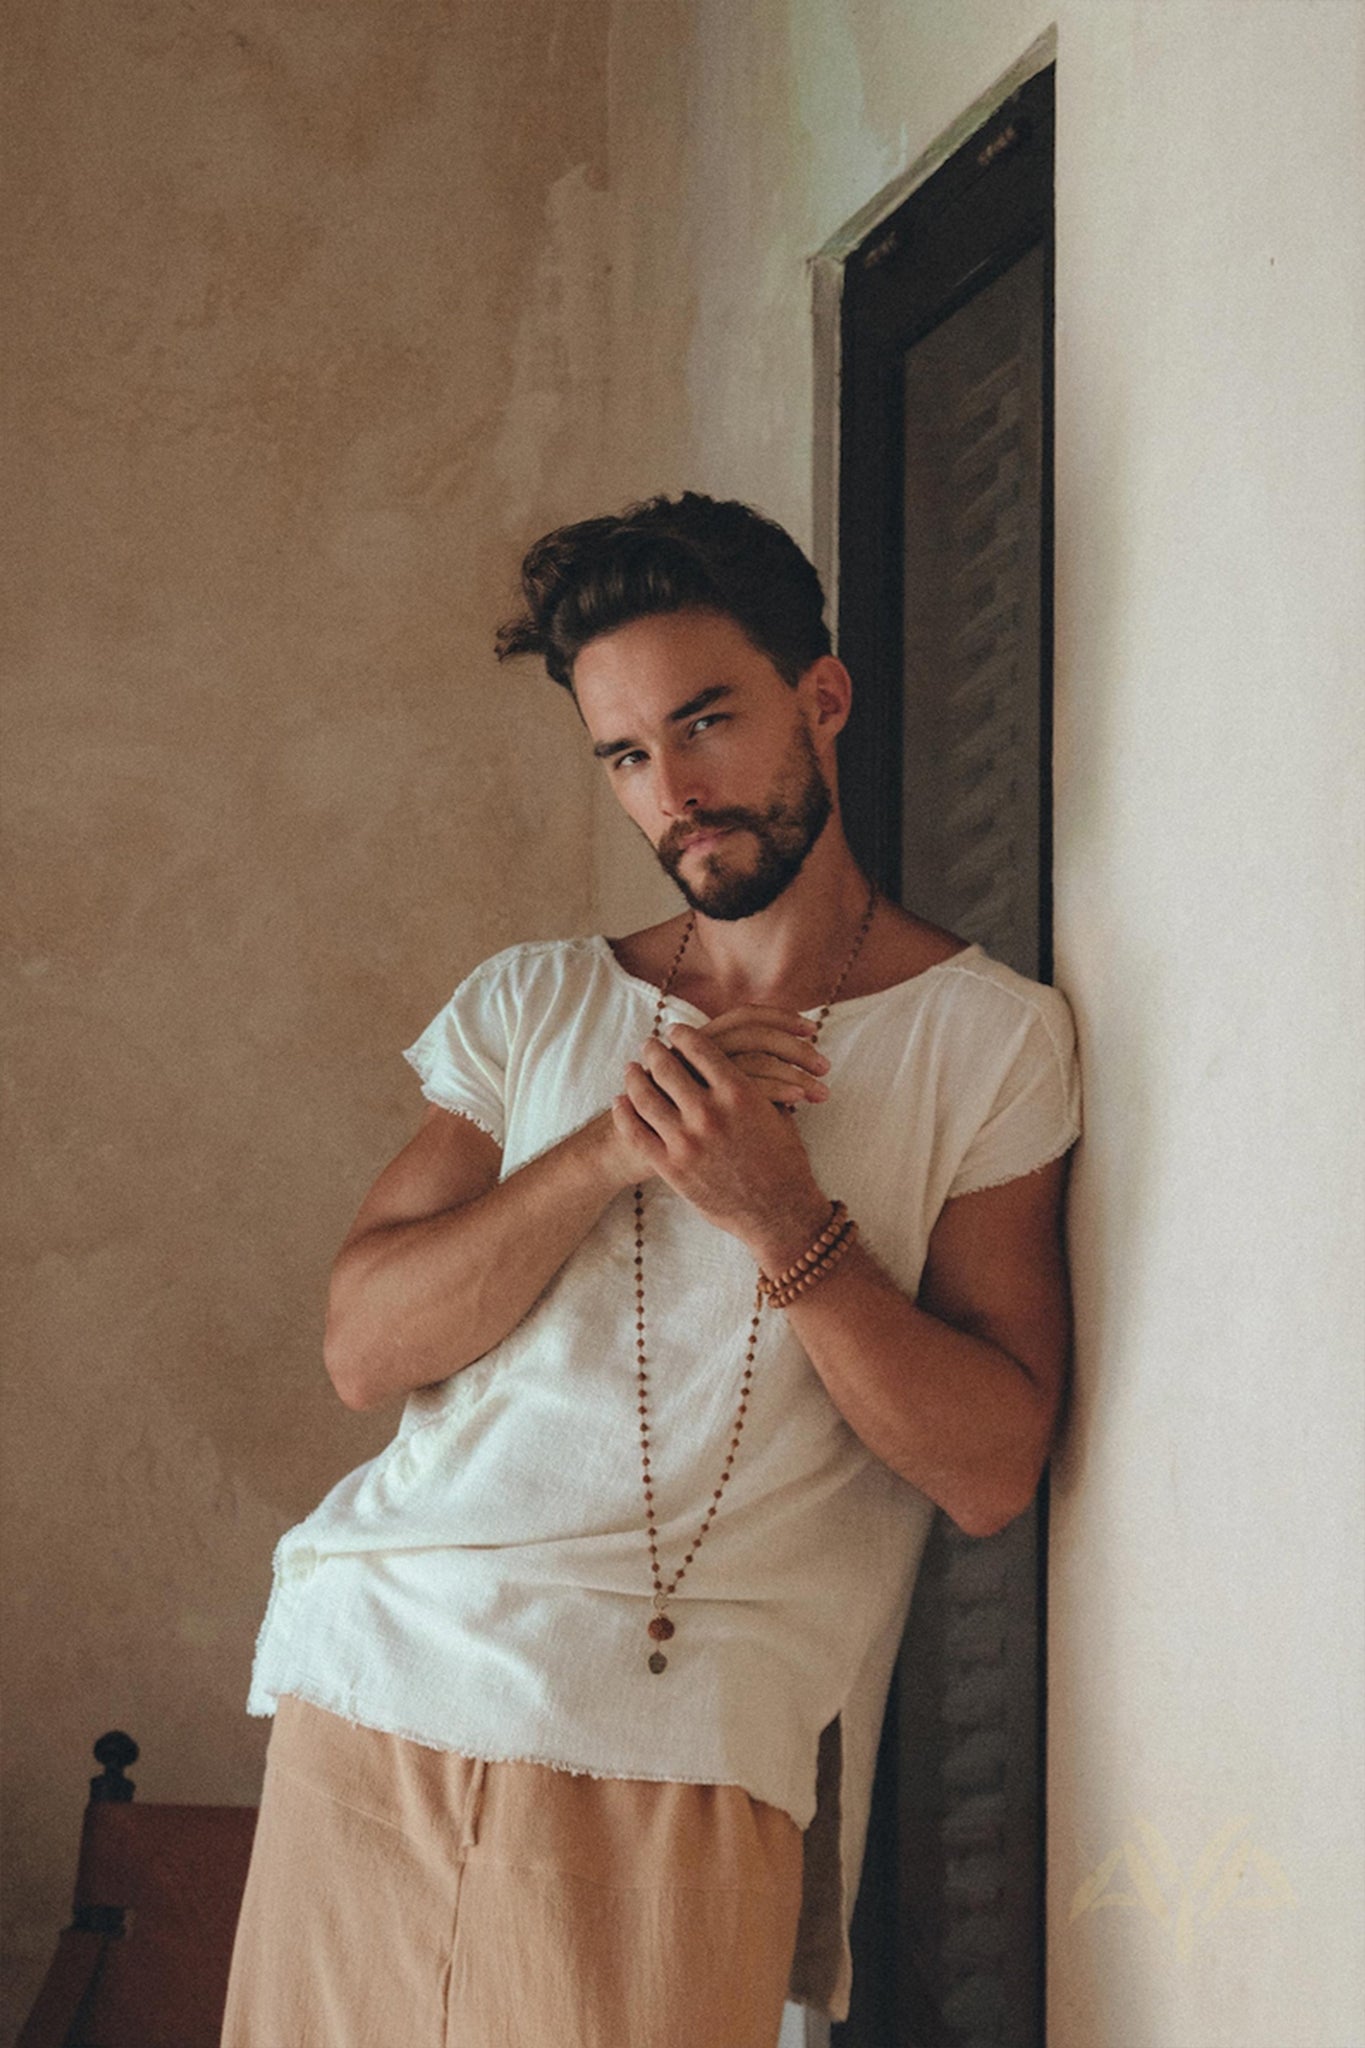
(725, 1251)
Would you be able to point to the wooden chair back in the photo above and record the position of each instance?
(158, 1887)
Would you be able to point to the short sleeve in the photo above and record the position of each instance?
(461, 1057)
(1035, 1114)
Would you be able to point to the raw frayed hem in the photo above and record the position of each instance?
(1002, 1180)
(314, 1698)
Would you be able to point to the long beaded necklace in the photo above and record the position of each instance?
(661, 1627)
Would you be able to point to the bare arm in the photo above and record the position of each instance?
(957, 1391)
(445, 1259)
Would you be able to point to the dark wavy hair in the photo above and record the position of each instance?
(689, 553)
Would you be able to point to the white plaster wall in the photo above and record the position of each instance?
(1206, 1641)
(1206, 1585)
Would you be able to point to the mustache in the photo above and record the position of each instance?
(679, 833)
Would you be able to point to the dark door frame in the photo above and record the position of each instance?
(857, 549)
(996, 192)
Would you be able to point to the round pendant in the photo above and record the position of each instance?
(661, 1629)
(658, 1662)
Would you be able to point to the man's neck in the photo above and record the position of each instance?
(788, 954)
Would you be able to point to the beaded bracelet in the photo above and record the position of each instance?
(835, 1239)
(834, 1226)
(780, 1297)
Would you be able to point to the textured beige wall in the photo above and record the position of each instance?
(308, 313)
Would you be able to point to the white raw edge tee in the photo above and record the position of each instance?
(483, 1585)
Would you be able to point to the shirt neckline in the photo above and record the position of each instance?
(970, 952)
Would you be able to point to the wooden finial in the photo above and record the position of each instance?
(115, 1751)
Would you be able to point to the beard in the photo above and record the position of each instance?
(785, 831)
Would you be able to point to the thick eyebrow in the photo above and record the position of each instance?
(604, 749)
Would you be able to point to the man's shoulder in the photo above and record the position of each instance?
(540, 956)
(972, 969)
(988, 1000)
(533, 973)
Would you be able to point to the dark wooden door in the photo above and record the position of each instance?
(945, 551)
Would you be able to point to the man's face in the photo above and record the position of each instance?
(709, 752)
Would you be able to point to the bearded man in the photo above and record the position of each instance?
(726, 1251)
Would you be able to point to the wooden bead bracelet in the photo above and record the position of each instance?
(835, 1239)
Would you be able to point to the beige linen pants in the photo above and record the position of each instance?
(404, 1897)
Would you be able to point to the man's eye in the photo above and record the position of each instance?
(708, 718)
(627, 760)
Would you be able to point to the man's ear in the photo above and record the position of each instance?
(827, 687)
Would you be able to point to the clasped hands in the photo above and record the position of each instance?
(704, 1111)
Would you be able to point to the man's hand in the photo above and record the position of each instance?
(775, 1048)
(691, 1114)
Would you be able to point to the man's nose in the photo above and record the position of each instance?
(678, 788)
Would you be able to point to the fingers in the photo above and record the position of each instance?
(653, 1102)
(654, 1085)
(743, 1040)
(780, 1080)
(787, 1068)
(644, 1142)
(694, 1061)
(766, 1014)
(790, 1094)
(763, 1028)
(676, 1086)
